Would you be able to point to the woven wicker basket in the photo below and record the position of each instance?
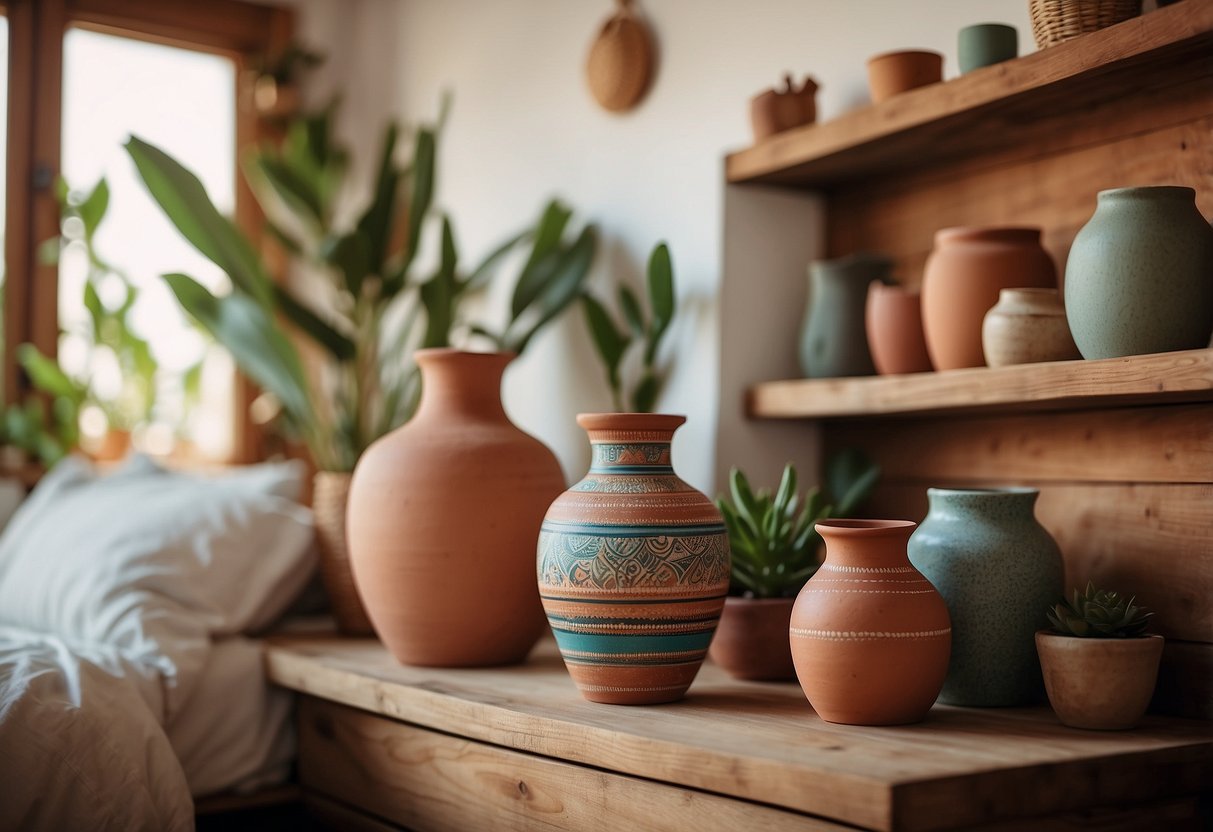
(1054, 21)
(331, 491)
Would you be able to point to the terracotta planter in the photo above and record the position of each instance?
(896, 72)
(633, 566)
(113, 446)
(964, 274)
(893, 320)
(1100, 683)
(870, 635)
(330, 498)
(775, 110)
(1140, 274)
(1027, 326)
(998, 570)
(833, 341)
(751, 641)
(443, 517)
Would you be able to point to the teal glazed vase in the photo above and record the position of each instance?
(633, 566)
(834, 339)
(1140, 275)
(998, 571)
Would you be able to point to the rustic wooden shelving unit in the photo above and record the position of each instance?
(1121, 449)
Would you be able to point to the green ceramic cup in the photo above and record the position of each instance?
(985, 44)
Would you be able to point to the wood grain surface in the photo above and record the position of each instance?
(763, 743)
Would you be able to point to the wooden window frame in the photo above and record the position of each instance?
(244, 32)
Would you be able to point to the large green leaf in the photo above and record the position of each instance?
(422, 191)
(92, 209)
(294, 189)
(47, 376)
(183, 199)
(439, 292)
(559, 291)
(610, 343)
(644, 397)
(630, 305)
(850, 478)
(544, 256)
(661, 298)
(484, 272)
(256, 343)
(312, 325)
(376, 222)
(351, 255)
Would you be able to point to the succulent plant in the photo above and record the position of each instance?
(772, 536)
(1098, 613)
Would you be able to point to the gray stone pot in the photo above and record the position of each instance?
(833, 339)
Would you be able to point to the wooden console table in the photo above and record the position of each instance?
(384, 746)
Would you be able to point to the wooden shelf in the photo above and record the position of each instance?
(1164, 378)
(1004, 106)
(522, 744)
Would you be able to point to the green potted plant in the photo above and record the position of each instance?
(368, 312)
(775, 550)
(1099, 663)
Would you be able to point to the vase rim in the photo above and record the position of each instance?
(879, 285)
(1007, 491)
(899, 53)
(431, 354)
(1173, 191)
(1046, 633)
(841, 527)
(631, 421)
(988, 232)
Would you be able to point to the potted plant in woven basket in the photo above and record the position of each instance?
(775, 549)
(1099, 663)
(1056, 21)
(365, 312)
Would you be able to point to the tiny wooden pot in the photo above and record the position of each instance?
(1027, 326)
(1103, 684)
(751, 641)
(776, 110)
(897, 72)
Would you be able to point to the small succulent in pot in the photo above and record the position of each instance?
(775, 550)
(1099, 663)
(1098, 613)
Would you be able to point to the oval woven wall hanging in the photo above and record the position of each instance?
(620, 65)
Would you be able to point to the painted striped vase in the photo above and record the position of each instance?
(633, 566)
(870, 635)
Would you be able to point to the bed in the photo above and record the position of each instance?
(131, 679)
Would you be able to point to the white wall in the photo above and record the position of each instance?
(524, 128)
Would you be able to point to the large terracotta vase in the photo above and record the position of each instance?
(443, 517)
(633, 566)
(999, 570)
(870, 635)
(893, 319)
(330, 499)
(833, 340)
(1140, 275)
(964, 274)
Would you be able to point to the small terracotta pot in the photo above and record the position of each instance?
(964, 273)
(330, 498)
(870, 635)
(775, 110)
(1027, 326)
(443, 517)
(1099, 683)
(895, 72)
(633, 566)
(894, 326)
(751, 641)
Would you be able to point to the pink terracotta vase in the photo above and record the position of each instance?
(964, 274)
(870, 635)
(633, 566)
(443, 517)
(893, 319)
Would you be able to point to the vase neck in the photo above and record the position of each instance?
(866, 544)
(631, 443)
(461, 384)
(990, 505)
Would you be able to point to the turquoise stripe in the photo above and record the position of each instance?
(604, 530)
(616, 644)
(697, 599)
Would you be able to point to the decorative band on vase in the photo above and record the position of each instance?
(631, 458)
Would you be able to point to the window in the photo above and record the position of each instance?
(87, 73)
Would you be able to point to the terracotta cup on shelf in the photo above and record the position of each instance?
(893, 320)
(895, 72)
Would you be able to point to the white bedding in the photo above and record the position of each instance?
(127, 683)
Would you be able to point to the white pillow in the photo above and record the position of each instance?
(152, 562)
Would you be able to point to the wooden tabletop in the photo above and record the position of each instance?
(762, 742)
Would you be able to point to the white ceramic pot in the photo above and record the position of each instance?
(1027, 326)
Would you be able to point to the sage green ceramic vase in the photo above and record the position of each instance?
(833, 339)
(998, 571)
(1140, 275)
